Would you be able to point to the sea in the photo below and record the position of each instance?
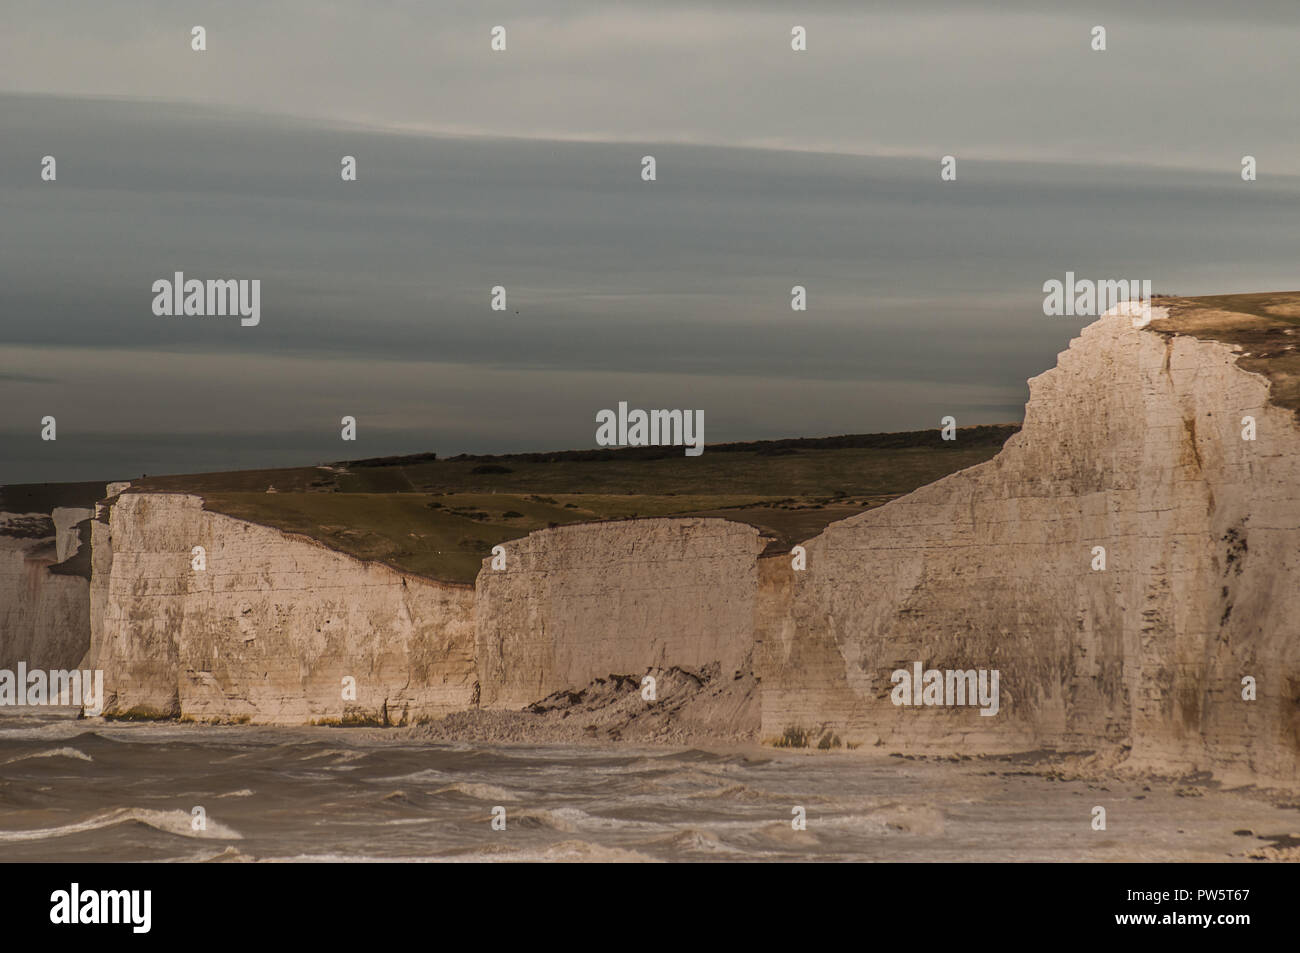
(92, 791)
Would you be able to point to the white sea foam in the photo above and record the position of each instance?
(64, 752)
(169, 822)
(483, 792)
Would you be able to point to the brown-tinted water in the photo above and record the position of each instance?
(94, 791)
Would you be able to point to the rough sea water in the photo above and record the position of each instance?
(93, 791)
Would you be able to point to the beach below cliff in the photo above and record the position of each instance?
(673, 706)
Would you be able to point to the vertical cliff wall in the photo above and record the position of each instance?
(269, 628)
(268, 631)
(1132, 443)
(580, 602)
(44, 594)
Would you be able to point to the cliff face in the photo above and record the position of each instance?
(576, 603)
(44, 613)
(1132, 443)
(269, 630)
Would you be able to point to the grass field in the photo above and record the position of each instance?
(440, 518)
(1264, 327)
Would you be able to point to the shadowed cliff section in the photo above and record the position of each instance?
(45, 497)
(45, 573)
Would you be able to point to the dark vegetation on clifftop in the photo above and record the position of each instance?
(441, 518)
(1264, 328)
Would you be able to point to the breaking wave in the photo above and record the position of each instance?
(169, 822)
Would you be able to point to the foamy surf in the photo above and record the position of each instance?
(177, 822)
(562, 804)
(64, 752)
(693, 840)
(481, 792)
(563, 852)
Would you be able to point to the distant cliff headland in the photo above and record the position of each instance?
(1127, 562)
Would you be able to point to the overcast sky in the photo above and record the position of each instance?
(1183, 82)
(522, 168)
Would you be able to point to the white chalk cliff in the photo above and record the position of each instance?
(1132, 443)
(274, 628)
(44, 615)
